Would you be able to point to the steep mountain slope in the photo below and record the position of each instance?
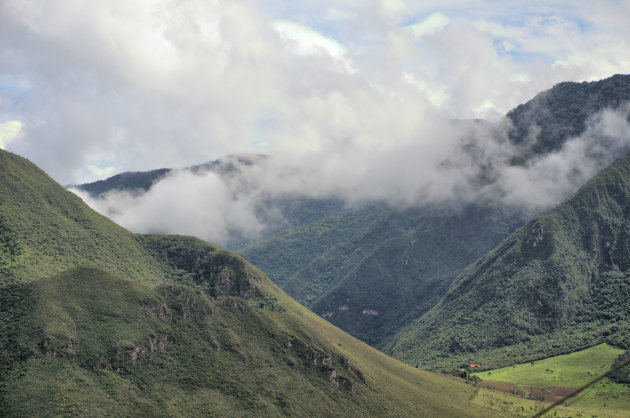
(405, 276)
(115, 323)
(558, 284)
(284, 254)
(377, 281)
(44, 230)
(544, 123)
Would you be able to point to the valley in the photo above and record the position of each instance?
(385, 208)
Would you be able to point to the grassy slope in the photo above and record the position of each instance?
(195, 355)
(45, 230)
(552, 287)
(575, 369)
(572, 370)
(161, 325)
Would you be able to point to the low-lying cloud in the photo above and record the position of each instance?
(453, 162)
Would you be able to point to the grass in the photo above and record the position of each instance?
(575, 369)
(219, 356)
(44, 230)
(506, 405)
(571, 370)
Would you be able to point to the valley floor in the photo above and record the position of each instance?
(523, 389)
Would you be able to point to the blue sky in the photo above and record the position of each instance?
(88, 89)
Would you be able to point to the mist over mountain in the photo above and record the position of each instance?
(445, 162)
(374, 264)
(265, 200)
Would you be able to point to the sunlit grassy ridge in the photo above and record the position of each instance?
(45, 230)
(97, 321)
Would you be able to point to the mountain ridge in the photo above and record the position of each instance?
(554, 279)
(98, 321)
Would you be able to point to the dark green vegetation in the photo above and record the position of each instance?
(544, 123)
(136, 181)
(622, 375)
(286, 253)
(97, 321)
(396, 267)
(558, 284)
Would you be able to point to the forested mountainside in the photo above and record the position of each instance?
(553, 116)
(558, 284)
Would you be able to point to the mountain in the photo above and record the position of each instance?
(544, 123)
(404, 276)
(558, 284)
(374, 269)
(139, 182)
(44, 230)
(276, 213)
(394, 267)
(98, 321)
(130, 181)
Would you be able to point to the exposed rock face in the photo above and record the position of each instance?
(145, 347)
(218, 272)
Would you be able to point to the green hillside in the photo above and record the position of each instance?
(97, 321)
(563, 111)
(45, 230)
(402, 277)
(284, 254)
(373, 270)
(558, 284)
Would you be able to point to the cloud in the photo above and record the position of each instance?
(202, 205)
(348, 98)
(445, 163)
(139, 85)
(433, 23)
(10, 131)
(101, 172)
(551, 177)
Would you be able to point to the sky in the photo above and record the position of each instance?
(347, 89)
(88, 90)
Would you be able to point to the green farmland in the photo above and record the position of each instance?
(550, 379)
